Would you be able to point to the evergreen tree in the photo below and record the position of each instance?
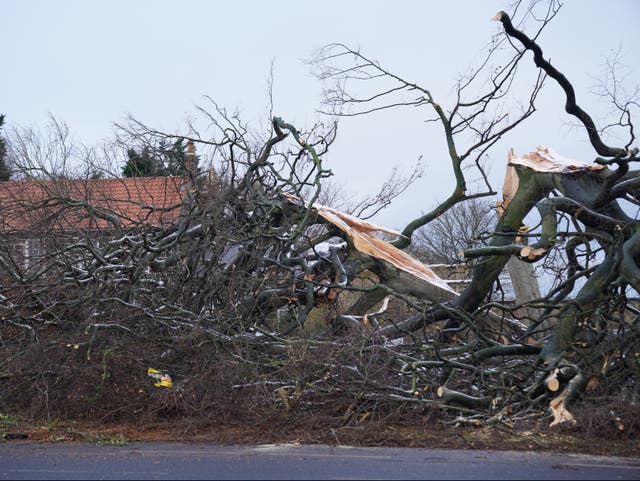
(141, 164)
(174, 158)
(5, 172)
(166, 159)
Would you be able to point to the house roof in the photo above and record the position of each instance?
(89, 204)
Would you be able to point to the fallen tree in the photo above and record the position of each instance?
(255, 287)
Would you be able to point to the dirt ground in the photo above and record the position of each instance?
(531, 438)
(105, 396)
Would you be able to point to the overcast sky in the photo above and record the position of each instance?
(90, 63)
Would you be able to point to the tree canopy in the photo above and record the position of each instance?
(158, 160)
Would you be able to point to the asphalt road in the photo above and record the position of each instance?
(200, 461)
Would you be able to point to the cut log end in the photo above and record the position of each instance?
(532, 253)
(553, 384)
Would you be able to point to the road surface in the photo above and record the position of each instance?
(20, 460)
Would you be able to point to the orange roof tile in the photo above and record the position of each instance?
(67, 205)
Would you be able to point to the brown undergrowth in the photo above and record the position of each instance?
(531, 437)
(73, 386)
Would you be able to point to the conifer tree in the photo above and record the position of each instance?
(5, 172)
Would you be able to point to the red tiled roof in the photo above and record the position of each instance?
(67, 205)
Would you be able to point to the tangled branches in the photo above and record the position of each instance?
(236, 275)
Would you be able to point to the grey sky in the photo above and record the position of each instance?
(89, 63)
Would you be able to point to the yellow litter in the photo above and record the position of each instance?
(162, 378)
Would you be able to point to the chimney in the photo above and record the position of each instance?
(190, 161)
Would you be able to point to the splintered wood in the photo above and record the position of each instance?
(560, 412)
(545, 159)
(531, 252)
(510, 186)
(361, 234)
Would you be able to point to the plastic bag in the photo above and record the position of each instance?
(162, 378)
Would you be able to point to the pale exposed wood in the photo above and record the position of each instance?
(383, 308)
(510, 186)
(531, 252)
(282, 394)
(553, 384)
(593, 384)
(545, 159)
(523, 279)
(537, 252)
(560, 412)
(619, 424)
(360, 233)
(451, 396)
